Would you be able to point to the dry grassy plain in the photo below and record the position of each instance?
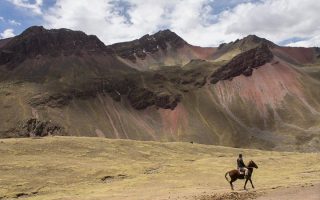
(74, 168)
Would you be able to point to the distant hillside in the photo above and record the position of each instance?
(250, 93)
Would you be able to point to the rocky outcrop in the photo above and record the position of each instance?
(243, 63)
(53, 100)
(38, 41)
(139, 97)
(34, 128)
(148, 44)
(167, 101)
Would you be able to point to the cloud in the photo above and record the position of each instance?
(34, 6)
(14, 22)
(201, 22)
(114, 22)
(311, 42)
(10, 21)
(274, 19)
(7, 34)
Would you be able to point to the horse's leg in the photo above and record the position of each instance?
(231, 185)
(232, 180)
(228, 180)
(251, 183)
(245, 184)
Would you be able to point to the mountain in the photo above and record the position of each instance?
(49, 55)
(161, 49)
(250, 93)
(296, 55)
(227, 51)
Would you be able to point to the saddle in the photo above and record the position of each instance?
(241, 171)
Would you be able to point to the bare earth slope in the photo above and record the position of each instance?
(65, 168)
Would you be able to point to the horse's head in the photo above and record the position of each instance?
(252, 164)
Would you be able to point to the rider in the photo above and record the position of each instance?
(241, 166)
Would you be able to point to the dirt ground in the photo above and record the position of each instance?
(301, 192)
(74, 168)
(308, 192)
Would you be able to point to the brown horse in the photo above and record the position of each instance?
(235, 174)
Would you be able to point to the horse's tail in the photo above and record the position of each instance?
(226, 176)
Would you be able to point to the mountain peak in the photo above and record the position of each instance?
(162, 37)
(253, 40)
(37, 40)
(166, 33)
(253, 37)
(257, 39)
(148, 44)
(33, 30)
(245, 44)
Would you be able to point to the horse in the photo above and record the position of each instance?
(235, 174)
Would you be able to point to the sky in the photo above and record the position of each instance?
(199, 22)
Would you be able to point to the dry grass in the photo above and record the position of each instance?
(95, 168)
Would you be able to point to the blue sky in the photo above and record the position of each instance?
(200, 22)
(24, 17)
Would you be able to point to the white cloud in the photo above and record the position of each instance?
(14, 22)
(34, 6)
(2, 19)
(7, 34)
(311, 42)
(101, 18)
(276, 20)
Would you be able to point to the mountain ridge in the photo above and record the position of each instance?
(249, 93)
